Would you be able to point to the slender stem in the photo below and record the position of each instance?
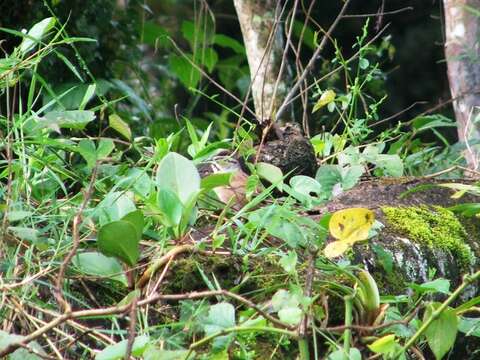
(468, 279)
(303, 348)
(347, 335)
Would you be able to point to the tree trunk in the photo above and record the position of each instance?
(263, 38)
(462, 50)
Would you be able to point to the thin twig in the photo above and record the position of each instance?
(77, 219)
(124, 308)
(382, 13)
(312, 61)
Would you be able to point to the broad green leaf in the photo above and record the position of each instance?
(86, 148)
(283, 299)
(118, 350)
(119, 239)
(342, 355)
(351, 175)
(120, 126)
(137, 180)
(326, 98)
(170, 206)
(153, 34)
(154, 353)
(69, 119)
(391, 165)
(385, 345)
(442, 332)
(215, 180)
(220, 316)
(469, 326)
(291, 315)
(20, 354)
(328, 176)
(437, 285)
(24, 233)
(36, 34)
(305, 185)
(137, 220)
(289, 261)
(105, 147)
(271, 173)
(17, 215)
(228, 42)
(97, 264)
(185, 71)
(179, 175)
(286, 230)
(114, 206)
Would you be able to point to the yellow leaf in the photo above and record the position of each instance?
(351, 225)
(326, 98)
(335, 249)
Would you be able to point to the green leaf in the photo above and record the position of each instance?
(220, 316)
(283, 299)
(392, 165)
(469, 326)
(384, 258)
(271, 173)
(185, 71)
(119, 239)
(228, 42)
(179, 175)
(215, 180)
(36, 34)
(105, 147)
(442, 332)
(114, 207)
(305, 185)
(89, 92)
(351, 176)
(437, 285)
(384, 345)
(17, 215)
(118, 350)
(341, 355)
(136, 219)
(363, 63)
(289, 262)
(20, 354)
(97, 264)
(170, 206)
(328, 176)
(154, 353)
(86, 148)
(153, 33)
(24, 233)
(120, 126)
(291, 315)
(69, 119)
(286, 230)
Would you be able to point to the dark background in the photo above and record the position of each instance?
(417, 71)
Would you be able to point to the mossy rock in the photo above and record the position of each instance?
(420, 233)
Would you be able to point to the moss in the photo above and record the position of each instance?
(435, 227)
